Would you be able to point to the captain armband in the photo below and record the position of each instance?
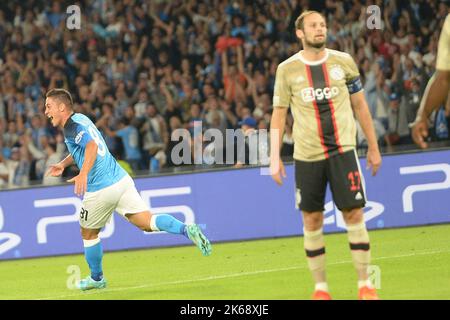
(354, 85)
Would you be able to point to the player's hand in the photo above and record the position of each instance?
(80, 184)
(373, 160)
(278, 172)
(55, 170)
(420, 132)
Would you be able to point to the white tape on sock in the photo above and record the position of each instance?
(153, 226)
(90, 243)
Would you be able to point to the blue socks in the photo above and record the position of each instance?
(93, 250)
(93, 253)
(165, 222)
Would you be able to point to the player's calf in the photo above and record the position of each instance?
(164, 222)
(93, 252)
(359, 242)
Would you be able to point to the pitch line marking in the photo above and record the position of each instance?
(233, 275)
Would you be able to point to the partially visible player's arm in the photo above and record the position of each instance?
(364, 118)
(434, 96)
(109, 132)
(90, 155)
(281, 100)
(277, 125)
(67, 161)
(437, 88)
(55, 170)
(435, 93)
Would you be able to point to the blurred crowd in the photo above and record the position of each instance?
(141, 69)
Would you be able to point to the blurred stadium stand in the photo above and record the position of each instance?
(161, 65)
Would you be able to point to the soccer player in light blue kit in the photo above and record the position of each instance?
(105, 186)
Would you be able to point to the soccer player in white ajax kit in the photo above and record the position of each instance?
(105, 185)
(324, 91)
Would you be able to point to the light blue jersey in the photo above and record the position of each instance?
(130, 138)
(78, 131)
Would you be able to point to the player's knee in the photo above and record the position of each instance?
(353, 215)
(89, 234)
(144, 228)
(312, 220)
(141, 220)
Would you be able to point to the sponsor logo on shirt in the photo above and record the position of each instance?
(310, 94)
(79, 136)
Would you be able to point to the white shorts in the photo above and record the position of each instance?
(99, 206)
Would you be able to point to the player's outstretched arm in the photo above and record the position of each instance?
(364, 118)
(55, 170)
(434, 96)
(277, 124)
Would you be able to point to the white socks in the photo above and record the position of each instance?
(322, 286)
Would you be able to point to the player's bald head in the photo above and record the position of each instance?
(62, 96)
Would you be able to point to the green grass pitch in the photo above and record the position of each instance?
(414, 263)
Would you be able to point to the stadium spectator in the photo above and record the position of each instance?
(256, 149)
(19, 167)
(175, 124)
(109, 120)
(154, 133)
(44, 157)
(130, 139)
(219, 55)
(4, 172)
(397, 121)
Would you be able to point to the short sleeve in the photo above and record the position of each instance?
(282, 90)
(352, 77)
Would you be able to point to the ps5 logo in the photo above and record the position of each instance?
(333, 215)
(409, 191)
(12, 240)
(72, 216)
(186, 211)
(44, 223)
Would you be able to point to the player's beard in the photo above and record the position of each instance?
(316, 45)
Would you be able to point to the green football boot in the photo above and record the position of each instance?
(195, 234)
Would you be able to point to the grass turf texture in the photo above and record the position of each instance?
(414, 264)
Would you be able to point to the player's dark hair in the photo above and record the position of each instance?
(62, 95)
(299, 23)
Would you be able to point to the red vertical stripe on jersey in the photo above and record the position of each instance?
(330, 103)
(316, 108)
